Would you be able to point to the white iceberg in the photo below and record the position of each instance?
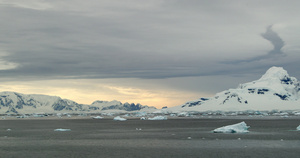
(158, 118)
(298, 128)
(118, 118)
(62, 130)
(143, 118)
(235, 128)
(97, 117)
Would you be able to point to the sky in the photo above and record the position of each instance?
(157, 53)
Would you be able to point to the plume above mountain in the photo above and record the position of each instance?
(274, 90)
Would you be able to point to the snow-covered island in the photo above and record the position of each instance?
(275, 90)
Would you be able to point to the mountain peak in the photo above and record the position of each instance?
(274, 90)
(275, 72)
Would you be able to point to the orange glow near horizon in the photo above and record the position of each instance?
(86, 91)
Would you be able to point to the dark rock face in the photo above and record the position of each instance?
(93, 108)
(125, 106)
(258, 91)
(195, 103)
(11, 110)
(238, 98)
(282, 97)
(287, 80)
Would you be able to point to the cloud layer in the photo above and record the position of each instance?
(158, 39)
(112, 40)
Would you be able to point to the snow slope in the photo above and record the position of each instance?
(275, 90)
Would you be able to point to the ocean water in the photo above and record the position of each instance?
(143, 138)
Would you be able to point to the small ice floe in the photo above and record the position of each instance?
(298, 128)
(189, 138)
(97, 117)
(297, 113)
(235, 128)
(62, 130)
(143, 118)
(158, 118)
(8, 129)
(59, 115)
(118, 118)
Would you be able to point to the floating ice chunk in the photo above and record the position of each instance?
(158, 118)
(235, 128)
(62, 130)
(297, 114)
(97, 117)
(8, 129)
(143, 118)
(298, 128)
(118, 118)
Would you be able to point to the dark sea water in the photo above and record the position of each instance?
(136, 138)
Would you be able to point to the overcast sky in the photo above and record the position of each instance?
(158, 52)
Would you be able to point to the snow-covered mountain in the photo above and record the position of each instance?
(275, 90)
(109, 105)
(12, 102)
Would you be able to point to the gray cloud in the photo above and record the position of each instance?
(160, 40)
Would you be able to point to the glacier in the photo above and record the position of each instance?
(235, 128)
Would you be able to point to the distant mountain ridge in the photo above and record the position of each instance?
(13, 102)
(275, 90)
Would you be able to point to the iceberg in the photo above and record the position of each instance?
(97, 117)
(143, 118)
(298, 128)
(118, 118)
(235, 128)
(62, 130)
(158, 118)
